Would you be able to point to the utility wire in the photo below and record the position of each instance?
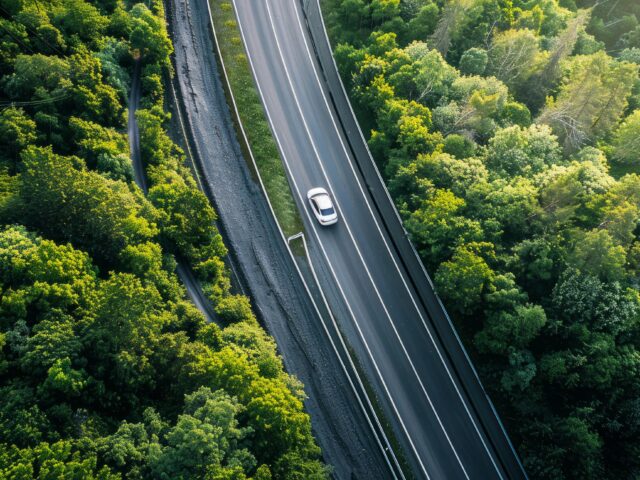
(42, 101)
(27, 47)
(34, 32)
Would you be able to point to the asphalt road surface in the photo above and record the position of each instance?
(358, 270)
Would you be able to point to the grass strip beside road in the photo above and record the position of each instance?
(253, 117)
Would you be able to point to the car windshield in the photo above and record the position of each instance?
(326, 211)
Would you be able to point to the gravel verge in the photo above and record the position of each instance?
(261, 259)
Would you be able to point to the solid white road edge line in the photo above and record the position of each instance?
(349, 160)
(311, 221)
(346, 223)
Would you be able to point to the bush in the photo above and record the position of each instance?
(474, 61)
(235, 308)
(459, 146)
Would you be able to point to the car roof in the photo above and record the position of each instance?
(323, 200)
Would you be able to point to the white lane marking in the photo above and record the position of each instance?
(388, 449)
(313, 227)
(346, 223)
(385, 450)
(335, 126)
(295, 97)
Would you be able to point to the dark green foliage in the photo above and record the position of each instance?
(235, 308)
(17, 131)
(459, 146)
(149, 35)
(69, 203)
(615, 24)
(107, 371)
(187, 222)
(61, 459)
(80, 18)
(95, 350)
(474, 61)
(496, 133)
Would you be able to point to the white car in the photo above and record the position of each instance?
(322, 206)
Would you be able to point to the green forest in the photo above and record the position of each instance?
(508, 132)
(107, 371)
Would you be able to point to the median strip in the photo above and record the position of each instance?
(260, 145)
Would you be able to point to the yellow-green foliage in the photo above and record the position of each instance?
(107, 371)
(502, 175)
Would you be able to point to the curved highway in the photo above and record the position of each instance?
(360, 272)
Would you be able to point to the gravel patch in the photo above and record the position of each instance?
(259, 255)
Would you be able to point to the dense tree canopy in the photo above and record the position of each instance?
(107, 371)
(507, 132)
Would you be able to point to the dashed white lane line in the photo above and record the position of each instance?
(418, 310)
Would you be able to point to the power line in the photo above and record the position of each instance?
(27, 47)
(42, 101)
(34, 32)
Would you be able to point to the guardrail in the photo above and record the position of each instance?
(417, 274)
(340, 349)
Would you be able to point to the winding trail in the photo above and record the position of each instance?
(184, 272)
